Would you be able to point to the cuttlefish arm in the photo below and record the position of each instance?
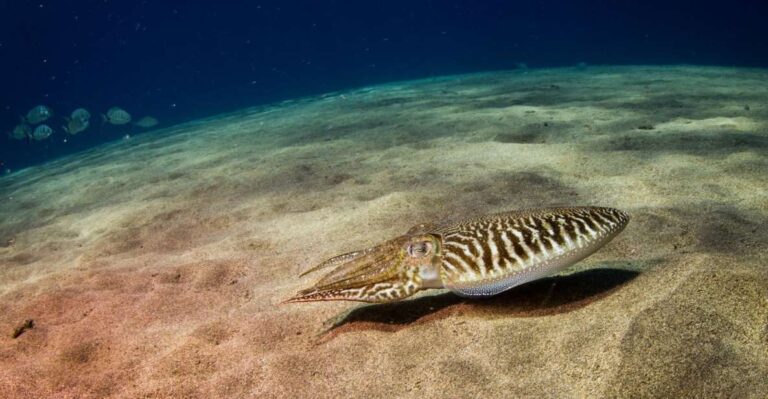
(335, 261)
(474, 258)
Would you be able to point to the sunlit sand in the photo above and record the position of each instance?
(155, 266)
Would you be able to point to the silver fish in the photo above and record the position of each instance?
(473, 258)
(20, 131)
(42, 132)
(75, 125)
(146, 122)
(81, 114)
(116, 116)
(38, 114)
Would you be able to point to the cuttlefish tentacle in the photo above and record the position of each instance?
(476, 257)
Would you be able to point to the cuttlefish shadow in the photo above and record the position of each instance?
(547, 296)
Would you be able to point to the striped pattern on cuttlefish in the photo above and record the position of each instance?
(473, 258)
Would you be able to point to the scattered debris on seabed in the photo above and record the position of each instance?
(22, 328)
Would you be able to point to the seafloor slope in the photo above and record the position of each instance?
(154, 267)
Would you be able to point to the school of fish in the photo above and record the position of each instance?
(31, 127)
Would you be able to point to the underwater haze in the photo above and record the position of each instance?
(422, 199)
(180, 61)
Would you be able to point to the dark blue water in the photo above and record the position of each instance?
(180, 60)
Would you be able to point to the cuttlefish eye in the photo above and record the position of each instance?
(419, 249)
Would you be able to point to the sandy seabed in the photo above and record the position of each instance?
(155, 267)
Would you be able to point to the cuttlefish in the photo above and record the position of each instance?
(477, 257)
